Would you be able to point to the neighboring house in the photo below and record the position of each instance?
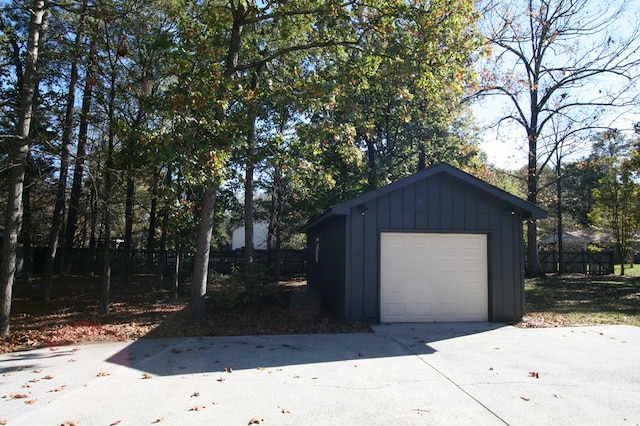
(440, 245)
(260, 235)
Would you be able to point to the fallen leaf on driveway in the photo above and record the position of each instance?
(3, 421)
(103, 374)
(58, 388)
(69, 423)
(48, 377)
(197, 408)
(146, 376)
(256, 421)
(524, 398)
(196, 393)
(30, 401)
(117, 422)
(16, 395)
(534, 374)
(158, 420)
(220, 379)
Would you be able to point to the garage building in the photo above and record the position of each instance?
(440, 245)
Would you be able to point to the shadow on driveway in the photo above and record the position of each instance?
(179, 356)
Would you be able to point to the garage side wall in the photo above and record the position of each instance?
(438, 204)
(326, 265)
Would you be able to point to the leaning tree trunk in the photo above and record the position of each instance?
(203, 246)
(17, 164)
(201, 260)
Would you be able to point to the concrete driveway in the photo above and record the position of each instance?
(456, 373)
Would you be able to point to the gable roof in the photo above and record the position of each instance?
(526, 209)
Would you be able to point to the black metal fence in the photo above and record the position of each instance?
(580, 262)
(84, 261)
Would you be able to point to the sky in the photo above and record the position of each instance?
(505, 148)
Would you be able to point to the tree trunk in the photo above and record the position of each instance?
(151, 232)
(372, 167)
(274, 221)
(162, 254)
(105, 301)
(248, 215)
(176, 274)
(203, 247)
(533, 268)
(128, 229)
(201, 259)
(560, 226)
(422, 157)
(65, 153)
(27, 243)
(93, 243)
(248, 203)
(248, 185)
(78, 171)
(17, 164)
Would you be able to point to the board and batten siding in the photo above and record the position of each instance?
(438, 204)
(326, 265)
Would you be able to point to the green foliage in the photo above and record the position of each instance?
(616, 197)
(398, 97)
(243, 288)
(580, 179)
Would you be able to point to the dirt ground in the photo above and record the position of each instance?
(139, 310)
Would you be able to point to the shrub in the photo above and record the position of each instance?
(243, 288)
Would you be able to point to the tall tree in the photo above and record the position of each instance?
(616, 197)
(79, 160)
(65, 154)
(39, 12)
(236, 38)
(557, 57)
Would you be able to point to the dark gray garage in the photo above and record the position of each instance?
(440, 245)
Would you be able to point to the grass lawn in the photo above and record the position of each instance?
(629, 271)
(564, 300)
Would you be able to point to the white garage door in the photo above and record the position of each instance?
(433, 277)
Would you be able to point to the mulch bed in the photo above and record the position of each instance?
(140, 310)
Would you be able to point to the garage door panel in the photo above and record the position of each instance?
(396, 310)
(422, 309)
(433, 277)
